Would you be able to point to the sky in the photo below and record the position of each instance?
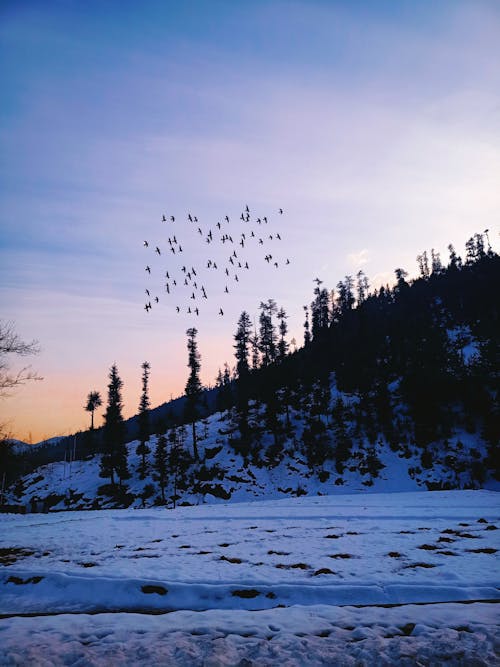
(375, 126)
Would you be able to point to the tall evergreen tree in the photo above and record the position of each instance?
(160, 463)
(114, 458)
(143, 419)
(267, 340)
(283, 330)
(94, 401)
(193, 385)
(307, 327)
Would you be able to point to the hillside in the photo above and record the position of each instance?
(395, 389)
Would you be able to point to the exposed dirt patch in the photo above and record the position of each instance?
(271, 595)
(428, 547)
(224, 545)
(446, 539)
(415, 565)
(150, 588)
(87, 564)
(332, 537)
(203, 553)
(491, 527)
(18, 581)
(185, 546)
(9, 555)
(343, 556)
(394, 554)
(237, 561)
(271, 552)
(246, 593)
(447, 553)
(292, 566)
(323, 570)
(485, 550)
(407, 629)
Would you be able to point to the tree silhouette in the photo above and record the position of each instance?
(143, 419)
(114, 458)
(193, 385)
(94, 401)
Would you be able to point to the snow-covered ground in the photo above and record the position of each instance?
(268, 582)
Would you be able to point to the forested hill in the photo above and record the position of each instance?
(408, 373)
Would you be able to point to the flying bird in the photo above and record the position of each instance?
(178, 309)
(157, 299)
(147, 292)
(221, 312)
(148, 269)
(163, 218)
(146, 244)
(158, 250)
(172, 218)
(281, 211)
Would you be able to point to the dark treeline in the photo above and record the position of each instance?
(402, 350)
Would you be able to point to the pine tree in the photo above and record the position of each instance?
(243, 341)
(283, 330)
(267, 341)
(114, 458)
(307, 327)
(143, 419)
(193, 385)
(362, 287)
(94, 401)
(160, 464)
(320, 312)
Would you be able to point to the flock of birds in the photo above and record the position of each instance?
(183, 281)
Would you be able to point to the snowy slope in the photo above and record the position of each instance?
(224, 474)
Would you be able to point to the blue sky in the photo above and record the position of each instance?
(375, 125)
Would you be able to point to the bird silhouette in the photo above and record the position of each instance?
(146, 244)
(278, 237)
(190, 218)
(226, 290)
(147, 307)
(147, 292)
(163, 218)
(281, 211)
(157, 299)
(221, 312)
(148, 269)
(227, 218)
(158, 250)
(196, 311)
(178, 309)
(288, 261)
(172, 218)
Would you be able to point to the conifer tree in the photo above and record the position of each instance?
(243, 341)
(114, 458)
(160, 464)
(193, 385)
(283, 330)
(143, 419)
(267, 340)
(307, 327)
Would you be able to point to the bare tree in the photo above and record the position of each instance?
(12, 344)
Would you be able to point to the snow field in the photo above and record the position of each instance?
(262, 583)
